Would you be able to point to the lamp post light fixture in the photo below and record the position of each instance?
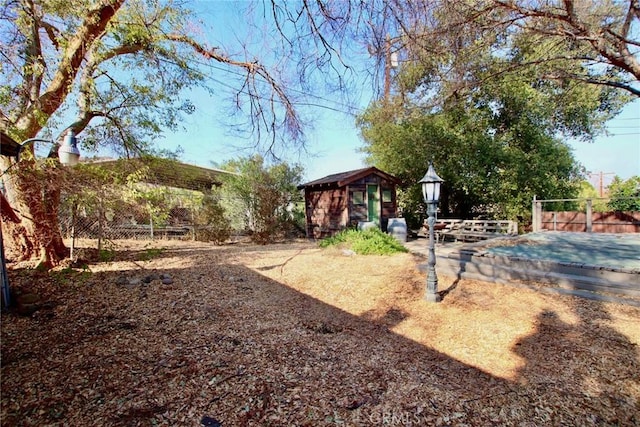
(68, 152)
(431, 193)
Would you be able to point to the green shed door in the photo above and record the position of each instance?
(373, 203)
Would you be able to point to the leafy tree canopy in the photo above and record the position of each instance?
(588, 191)
(496, 148)
(594, 42)
(625, 194)
(120, 68)
(488, 92)
(485, 173)
(261, 197)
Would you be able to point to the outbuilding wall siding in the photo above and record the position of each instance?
(330, 206)
(326, 212)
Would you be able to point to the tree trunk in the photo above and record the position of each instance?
(33, 194)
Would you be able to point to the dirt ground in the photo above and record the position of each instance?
(292, 334)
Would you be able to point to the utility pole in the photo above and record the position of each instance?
(601, 176)
(387, 68)
(390, 61)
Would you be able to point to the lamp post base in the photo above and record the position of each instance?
(432, 297)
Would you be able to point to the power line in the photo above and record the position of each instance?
(289, 89)
(351, 109)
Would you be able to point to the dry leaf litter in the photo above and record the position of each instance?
(291, 334)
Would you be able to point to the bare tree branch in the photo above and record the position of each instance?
(253, 69)
(615, 51)
(51, 33)
(92, 28)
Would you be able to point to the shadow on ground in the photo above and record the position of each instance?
(252, 351)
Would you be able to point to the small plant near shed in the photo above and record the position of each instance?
(150, 253)
(108, 252)
(70, 276)
(365, 242)
(107, 255)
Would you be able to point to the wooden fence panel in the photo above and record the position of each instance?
(602, 222)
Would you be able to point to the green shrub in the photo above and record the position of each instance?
(212, 224)
(150, 253)
(107, 255)
(367, 242)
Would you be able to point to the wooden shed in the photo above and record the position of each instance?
(342, 200)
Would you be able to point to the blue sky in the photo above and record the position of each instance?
(334, 141)
(616, 153)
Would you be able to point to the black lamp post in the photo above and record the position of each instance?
(431, 193)
(68, 154)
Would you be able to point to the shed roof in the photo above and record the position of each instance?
(344, 178)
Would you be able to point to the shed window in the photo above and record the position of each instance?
(358, 197)
(386, 196)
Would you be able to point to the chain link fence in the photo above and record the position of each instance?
(161, 203)
(126, 220)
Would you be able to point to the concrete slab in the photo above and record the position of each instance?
(595, 265)
(611, 251)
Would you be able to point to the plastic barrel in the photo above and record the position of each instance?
(397, 227)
